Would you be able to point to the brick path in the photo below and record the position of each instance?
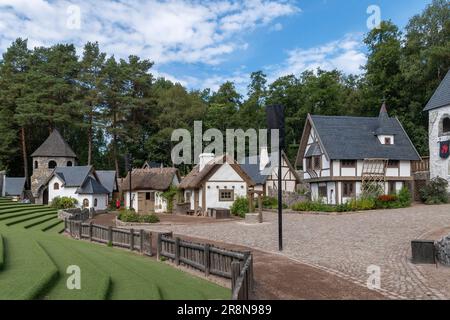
(346, 245)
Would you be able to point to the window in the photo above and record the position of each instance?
(150, 196)
(56, 186)
(95, 202)
(226, 195)
(317, 162)
(392, 188)
(348, 163)
(393, 164)
(85, 203)
(69, 163)
(308, 164)
(323, 191)
(348, 189)
(52, 164)
(187, 197)
(36, 165)
(387, 140)
(446, 125)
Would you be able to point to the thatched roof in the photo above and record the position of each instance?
(195, 178)
(54, 146)
(149, 179)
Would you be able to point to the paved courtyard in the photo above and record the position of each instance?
(346, 245)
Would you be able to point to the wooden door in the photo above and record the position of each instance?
(146, 202)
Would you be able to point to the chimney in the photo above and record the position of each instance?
(263, 158)
(204, 158)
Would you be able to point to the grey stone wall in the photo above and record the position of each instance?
(443, 250)
(289, 198)
(438, 167)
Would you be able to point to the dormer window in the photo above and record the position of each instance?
(446, 125)
(387, 140)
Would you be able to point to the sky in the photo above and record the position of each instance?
(202, 44)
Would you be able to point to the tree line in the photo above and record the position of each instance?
(107, 107)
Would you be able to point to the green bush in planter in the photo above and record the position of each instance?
(435, 192)
(129, 216)
(240, 207)
(64, 203)
(149, 218)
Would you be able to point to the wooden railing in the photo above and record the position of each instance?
(421, 166)
(234, 265)
(134, 240)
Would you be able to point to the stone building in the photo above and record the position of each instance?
(439, 130)
(54, 152)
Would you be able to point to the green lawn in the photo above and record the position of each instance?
(34, 258)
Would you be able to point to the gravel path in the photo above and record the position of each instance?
(346, 245)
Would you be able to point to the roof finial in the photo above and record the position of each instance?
(383, 110)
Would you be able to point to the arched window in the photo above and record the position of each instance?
(446, 124)
(85, 203)
(56, 186)
(52, 164)
(95, 202)
(36, 165)
(69, 163)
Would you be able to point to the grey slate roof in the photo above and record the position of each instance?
(54, 146)
(92, 186)
(441, 96)
(14, 186)
(314, 150)
(353, 138)
(107, 179)
(73, 176)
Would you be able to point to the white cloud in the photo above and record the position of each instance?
(346, 55)
(164, 31)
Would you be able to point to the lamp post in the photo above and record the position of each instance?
(275, 121)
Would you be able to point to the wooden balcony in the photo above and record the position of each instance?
(421, 166)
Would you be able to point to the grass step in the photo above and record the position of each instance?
(15, 209)
(37, 223)
(59, 228)
(15, 215)
(51, 224)
(28, 218)
(27, 271)
(2, 253)
(95, 284)
(22, 213)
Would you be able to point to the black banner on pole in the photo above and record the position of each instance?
(275, 120)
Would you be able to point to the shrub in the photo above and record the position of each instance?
(435, 192)
(131, 216)
(404, 197)
(169, 196)
(317, 206)
(270, 203)
(387, 198)
(362, 204)
(64, 203)
(240, 207)
(149, 218)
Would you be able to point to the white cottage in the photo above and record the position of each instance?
(215, 183)
(341, 155)
(439, 130)
(81, 183)
(147, 187)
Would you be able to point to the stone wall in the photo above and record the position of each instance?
(76, 214)
(289, 198)
(443, 250)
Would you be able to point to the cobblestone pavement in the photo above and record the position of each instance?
(346, 245)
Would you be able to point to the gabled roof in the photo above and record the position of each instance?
(152, 164)
(355, 138)
(107, 179)
(158, 179)
(251, 166)
(314, 150)
(92, 186)
(195, 178)
(54, 146)
(441, 96)
(14, 186)
(72, 176)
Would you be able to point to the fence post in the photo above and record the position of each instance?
(80, 230)
(159, 247)
(177, 251)
(110, 238)
(90, 231)
(207, 259)
(131, 239)
(235, 271)
(141, 241)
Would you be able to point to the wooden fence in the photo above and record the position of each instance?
(234, 265)
(421, 165)
(140, 240)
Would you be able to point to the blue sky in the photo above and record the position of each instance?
(204, 43)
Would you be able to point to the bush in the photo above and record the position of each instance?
(404, 197)
(169, 196)
(64, 203)
(435, 192)
(362, 204)
(315, 206)
(240, 207)
(270, 203)
(131, 216)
